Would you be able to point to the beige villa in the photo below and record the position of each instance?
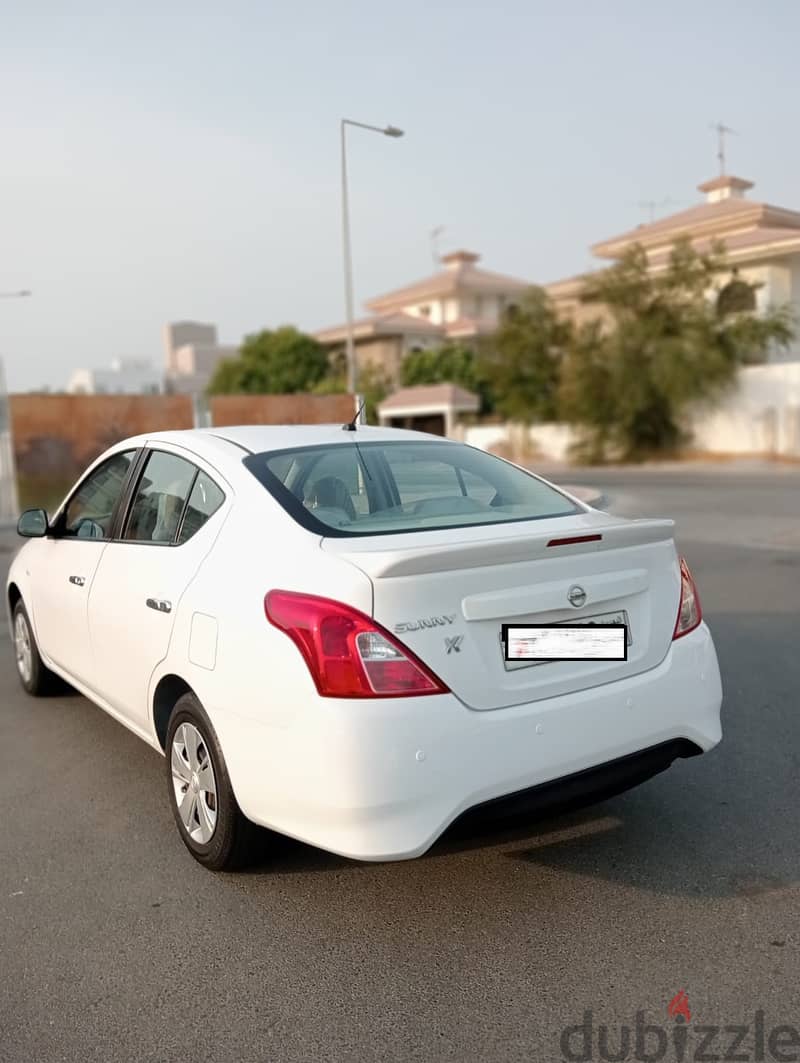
(762, 245)
(458, 303)
(463, 301)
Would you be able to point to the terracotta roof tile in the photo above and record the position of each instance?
(380, 325)
(465, 277)
(718, 218)
(432, 395)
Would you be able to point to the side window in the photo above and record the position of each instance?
(88, 513)
(160, 498)
(204, 501)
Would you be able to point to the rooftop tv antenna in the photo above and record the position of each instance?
(722, 131)
(434, 236)
(652, 205)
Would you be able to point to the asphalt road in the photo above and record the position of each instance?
(115, 945)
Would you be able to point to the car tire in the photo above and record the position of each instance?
(209, 820)
(35, 676)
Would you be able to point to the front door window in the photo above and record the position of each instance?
(89, 513)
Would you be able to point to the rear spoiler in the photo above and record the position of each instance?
(384, 562)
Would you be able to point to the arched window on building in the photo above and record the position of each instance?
(736, 297)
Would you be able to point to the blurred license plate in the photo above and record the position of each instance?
(619, 617)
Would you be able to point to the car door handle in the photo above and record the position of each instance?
(77, 580)
(159, 605)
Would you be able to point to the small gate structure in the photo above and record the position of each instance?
(9, 506)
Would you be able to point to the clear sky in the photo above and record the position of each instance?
(161, 161)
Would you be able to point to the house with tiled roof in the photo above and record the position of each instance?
(456, 304)
(761, 241)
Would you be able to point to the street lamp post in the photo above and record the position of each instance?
(352, 368)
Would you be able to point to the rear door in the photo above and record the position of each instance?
(142, 576)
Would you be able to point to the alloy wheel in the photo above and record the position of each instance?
(194, 783)
(23, 648)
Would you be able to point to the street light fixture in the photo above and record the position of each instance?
(352, 369)
(21, 294)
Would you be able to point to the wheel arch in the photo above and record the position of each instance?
(13, 595)
(168, 690)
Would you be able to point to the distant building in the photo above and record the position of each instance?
(179, 334)
(456, 304)
(192, 354)
(762, 245)
(125, 376)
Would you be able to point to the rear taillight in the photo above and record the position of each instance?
(689, 612)
(348, 654)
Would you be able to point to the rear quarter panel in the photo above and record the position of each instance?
(257, 684)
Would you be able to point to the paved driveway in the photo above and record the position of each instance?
(115, 945)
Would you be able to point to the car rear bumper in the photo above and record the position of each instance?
(381, 780)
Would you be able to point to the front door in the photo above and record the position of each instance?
(66, 565)
(143, 575)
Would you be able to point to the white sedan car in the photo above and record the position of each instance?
(309, 622)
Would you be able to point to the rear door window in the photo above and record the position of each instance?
(204, 501)
(161, 495)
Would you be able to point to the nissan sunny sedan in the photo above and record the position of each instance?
(308, 623)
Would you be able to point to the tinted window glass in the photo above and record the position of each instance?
(204, 501)
(160, 499)
(379, 488)
(89, 511)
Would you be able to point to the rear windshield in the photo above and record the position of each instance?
(385, 488)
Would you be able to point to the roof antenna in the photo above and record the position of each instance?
(721, 130)
(352, 425)
(434, 237)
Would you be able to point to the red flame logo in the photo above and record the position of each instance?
(679, 1005)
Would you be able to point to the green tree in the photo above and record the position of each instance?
(628, 380)
(452, 363)
(273, 362)
(520, 363)
(373, 386)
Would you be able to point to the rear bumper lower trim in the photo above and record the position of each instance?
(582, 787)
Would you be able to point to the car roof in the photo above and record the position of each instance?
(257, 438)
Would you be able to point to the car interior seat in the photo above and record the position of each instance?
(168, 515)
(330, 492)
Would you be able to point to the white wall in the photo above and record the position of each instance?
(761, 416)
(483, 436)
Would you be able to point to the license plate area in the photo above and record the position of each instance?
(620, 616)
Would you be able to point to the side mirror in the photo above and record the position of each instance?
(33, 524)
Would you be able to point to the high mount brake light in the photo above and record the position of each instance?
(690, 612)
(348, 654)
(573, 539)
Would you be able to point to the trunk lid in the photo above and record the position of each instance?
(430, 588)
